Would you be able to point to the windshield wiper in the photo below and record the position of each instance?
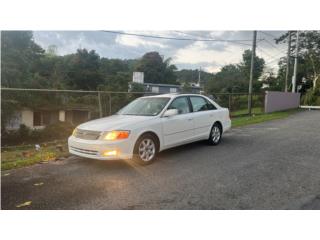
(130, 114)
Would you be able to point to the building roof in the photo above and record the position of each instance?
(162, 85)
(169, 85)
(57, 108)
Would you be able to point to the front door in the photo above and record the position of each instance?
(178, 129)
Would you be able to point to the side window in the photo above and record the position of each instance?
(181, 104)
(201, 104)
(210, 105)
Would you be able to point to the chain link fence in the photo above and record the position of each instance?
(238, 102)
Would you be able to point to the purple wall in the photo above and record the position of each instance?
(277, 101)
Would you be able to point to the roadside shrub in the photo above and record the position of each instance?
(25, 135)
(311, 98)
(58, 130)
(24, 132)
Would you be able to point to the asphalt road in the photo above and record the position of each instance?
(273, 165)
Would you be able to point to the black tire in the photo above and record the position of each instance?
(215, 134)
(138, 153)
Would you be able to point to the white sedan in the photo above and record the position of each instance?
(149, 125)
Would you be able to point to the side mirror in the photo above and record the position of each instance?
(170, 112)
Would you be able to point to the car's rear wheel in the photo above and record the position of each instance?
(215, 134)
(146, 149)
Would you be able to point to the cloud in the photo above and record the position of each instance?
(186, 54)
(200, 52)
(135, 41)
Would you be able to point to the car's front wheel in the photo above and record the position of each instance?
(146, 149)
(215, 134)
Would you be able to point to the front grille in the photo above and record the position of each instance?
(85, 151)
(87, 134)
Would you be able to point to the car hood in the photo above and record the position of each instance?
(114, 122)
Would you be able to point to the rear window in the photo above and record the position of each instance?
(201, 104)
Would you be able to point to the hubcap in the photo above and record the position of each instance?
(215, 134)
(147, 149)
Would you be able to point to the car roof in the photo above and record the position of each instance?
(172, 95)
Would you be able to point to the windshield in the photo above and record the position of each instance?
(145, 106)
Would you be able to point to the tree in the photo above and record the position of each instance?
(235, 77)
(191, 76)
(52, 50)
(245, 67)
(227, 80)
(309, 55)
(20, 55)
(84, 71)
(156, 70)
(268, 77)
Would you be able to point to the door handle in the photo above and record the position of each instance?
(189, 119)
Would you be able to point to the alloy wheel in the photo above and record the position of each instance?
(215, 134)
(147, 149)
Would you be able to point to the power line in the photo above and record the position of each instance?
(265, 52)
(271, 61)
(218, 39)
(180, 39)
(272, 45)
(271, 57)
(268, 34)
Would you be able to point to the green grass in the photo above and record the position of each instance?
(256, 110)
(16, 158)
(258, 118)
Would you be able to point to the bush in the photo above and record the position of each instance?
(25, 135)
(59, 130)
(312, 97)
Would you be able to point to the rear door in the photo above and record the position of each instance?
(204, 116)
(178, 129)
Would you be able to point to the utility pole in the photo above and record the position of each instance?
(100, 105)
(199, 77)
(253, 54)
(288, 62)
(294, 77)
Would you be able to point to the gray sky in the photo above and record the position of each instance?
(210, 56)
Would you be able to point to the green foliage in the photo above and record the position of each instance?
(312, 97)
(136, 87)
(245, 65)
(191, 76)
(309, 56)
(8, 108)
(156, 69)
(19, 57)
(235, 77)
(84, 72)
(25, 135)
(268, 77)
(26, 156)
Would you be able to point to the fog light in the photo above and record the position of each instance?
(109, 153)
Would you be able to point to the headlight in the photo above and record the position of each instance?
(74, 131)
(116, 135)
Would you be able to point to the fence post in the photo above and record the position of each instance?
(100, 105)
(230, 102)
(110, 110)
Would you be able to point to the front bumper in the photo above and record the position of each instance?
(95, 149)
